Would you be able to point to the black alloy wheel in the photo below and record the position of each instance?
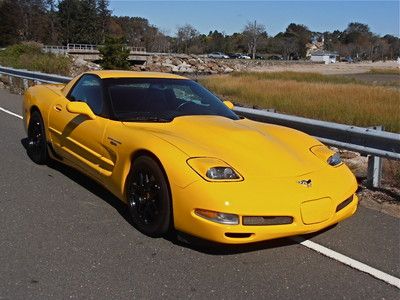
(36, 146)
(148, 197)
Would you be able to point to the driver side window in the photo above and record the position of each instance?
(89, 90)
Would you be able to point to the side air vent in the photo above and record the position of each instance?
(344, 203)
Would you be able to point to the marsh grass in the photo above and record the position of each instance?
(387, 71)
(30, 56)
(315, 96)
(295, 76)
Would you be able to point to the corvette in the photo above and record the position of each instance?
(181, 159)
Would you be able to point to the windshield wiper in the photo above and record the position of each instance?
(146, 119)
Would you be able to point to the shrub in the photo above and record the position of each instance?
(31, 57)
(114, 54)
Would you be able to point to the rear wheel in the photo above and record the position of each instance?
(36, 147)
(148, 197)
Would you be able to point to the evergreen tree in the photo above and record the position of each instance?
(52, 20)
(114, 54)
(68, 15)
(103, 17)
(9, 23)
(88, 23)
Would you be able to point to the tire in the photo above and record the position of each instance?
(37, 143)
(148, 197)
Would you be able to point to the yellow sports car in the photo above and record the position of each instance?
(181, 159)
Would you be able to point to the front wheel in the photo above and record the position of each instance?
(36, 146)
(148, 197)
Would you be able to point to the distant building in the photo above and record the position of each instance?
(324, 56)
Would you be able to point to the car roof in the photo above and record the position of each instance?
(130, 74)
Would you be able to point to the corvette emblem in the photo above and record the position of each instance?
(307, 183)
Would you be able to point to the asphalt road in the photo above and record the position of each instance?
(63, 236)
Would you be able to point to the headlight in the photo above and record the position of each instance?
(218, 217)
(334, 160)
(213, 169)
(221, 173)
(326, 154)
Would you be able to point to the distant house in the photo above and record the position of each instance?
(324, 56)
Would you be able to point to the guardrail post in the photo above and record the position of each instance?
(25, 83)
(374, 175)
(374, 172)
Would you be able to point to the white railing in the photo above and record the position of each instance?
(85, 48)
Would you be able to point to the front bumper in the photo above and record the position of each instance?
(312, 209)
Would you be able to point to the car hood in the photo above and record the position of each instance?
(254, 149)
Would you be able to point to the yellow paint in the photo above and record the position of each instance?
(270, 160)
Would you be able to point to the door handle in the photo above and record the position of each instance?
(58, 107)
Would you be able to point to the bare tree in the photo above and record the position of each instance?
(185, 37)
(253, 32)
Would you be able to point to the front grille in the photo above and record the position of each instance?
(344, 203)
(267, 220)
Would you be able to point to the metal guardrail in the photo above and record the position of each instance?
(367, 141)
(34, 76)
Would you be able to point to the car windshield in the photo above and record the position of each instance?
(161, 100)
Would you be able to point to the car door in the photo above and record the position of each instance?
(77, 137)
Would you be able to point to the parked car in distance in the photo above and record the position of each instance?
(244, 56)
(347, 59)
(239, 56)
(217, 55)
(275, 57)
(257, 56)
(233, 55)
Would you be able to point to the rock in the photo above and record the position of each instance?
(167, 65)
(79, 62)
(193, 62)
(176, 61)
(184, 69)
(184, 65)
(135, 68)
(166, 69)
(228, 70)
(93, 66)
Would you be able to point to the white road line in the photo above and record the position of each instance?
(10, 113)
(323, 250)
(349, 261)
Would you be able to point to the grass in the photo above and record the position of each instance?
(296, 76)
(30, 56)
(330, 98)
(387, 71)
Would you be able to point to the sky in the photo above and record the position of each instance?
(231, 16)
